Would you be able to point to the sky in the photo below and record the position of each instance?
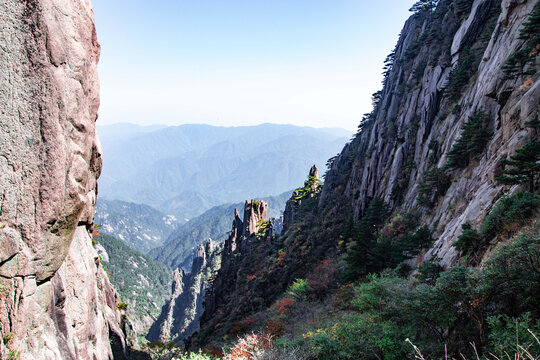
(243, 62)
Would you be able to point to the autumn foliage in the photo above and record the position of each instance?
(283, 306)
(250, 346)
(322, 278)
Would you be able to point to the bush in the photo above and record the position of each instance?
(524, 165)
(298, 289)
(460, 76)
(362, 257)
(436, 182)
(423, 6)
(445, 310)
(511, 277)
(513, 337)
(429, 272)
(516, 63)
(194, 356)
(510, 213)
(322, 279)
(531, 33)
(283, 306)
(250, 347)
(469, 239)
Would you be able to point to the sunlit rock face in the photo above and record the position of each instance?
(416, 122)
(57, 300)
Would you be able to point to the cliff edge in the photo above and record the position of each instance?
(57, 301)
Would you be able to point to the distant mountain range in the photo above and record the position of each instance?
(146, 229)
(179, 249)
(185, 170)
(139, 226)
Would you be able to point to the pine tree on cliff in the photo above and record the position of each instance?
(363, 256)
(524, 166)
(424, 5)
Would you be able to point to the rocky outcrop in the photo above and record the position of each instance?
(249, 239)
(57, 302)
(312, 187)
(417, 120)
(180, 316)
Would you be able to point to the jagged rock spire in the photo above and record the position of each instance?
(314, 172)
(254, 212)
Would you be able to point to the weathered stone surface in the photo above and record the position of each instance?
(291, 207)
(180, 316)
(254, 212)
(57, 300)
(392, 157)
(228, 289)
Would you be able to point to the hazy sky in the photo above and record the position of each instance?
(243, 62)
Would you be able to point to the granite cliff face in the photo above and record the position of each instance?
(422, 108)
(57, 302)
(180, 316)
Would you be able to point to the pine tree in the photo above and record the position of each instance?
(531, 28)
(524, 166)
(424, 5)
(363, 255)
(473, 140)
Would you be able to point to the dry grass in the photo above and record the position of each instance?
(521, 353)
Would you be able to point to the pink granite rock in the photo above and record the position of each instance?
(57, 300)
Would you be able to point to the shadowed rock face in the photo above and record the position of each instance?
(180, 316)
(58, 302)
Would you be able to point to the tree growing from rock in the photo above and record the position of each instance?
(423, 6)
(523, 167)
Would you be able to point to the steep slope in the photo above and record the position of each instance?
(57, 302)
(180, 248)
(180, 316)
(139, 226)
(142, 282)
(420, 188)
(187, 169)
(434, 87)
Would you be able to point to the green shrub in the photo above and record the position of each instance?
(510, 213)
(510, 337)
(358, 336)
(436, 182)
(195, 356)
(446, 310)
(7, 337)
(469, 239)
(429, 272)
(298, 289)
(515, 64)
(531, 33)
(424, 6)
(311, 186)
(13, 355)
(362, 257)
(510, 275)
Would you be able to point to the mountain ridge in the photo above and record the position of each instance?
(214, 162)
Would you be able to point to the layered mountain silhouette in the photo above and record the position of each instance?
(185, 170)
